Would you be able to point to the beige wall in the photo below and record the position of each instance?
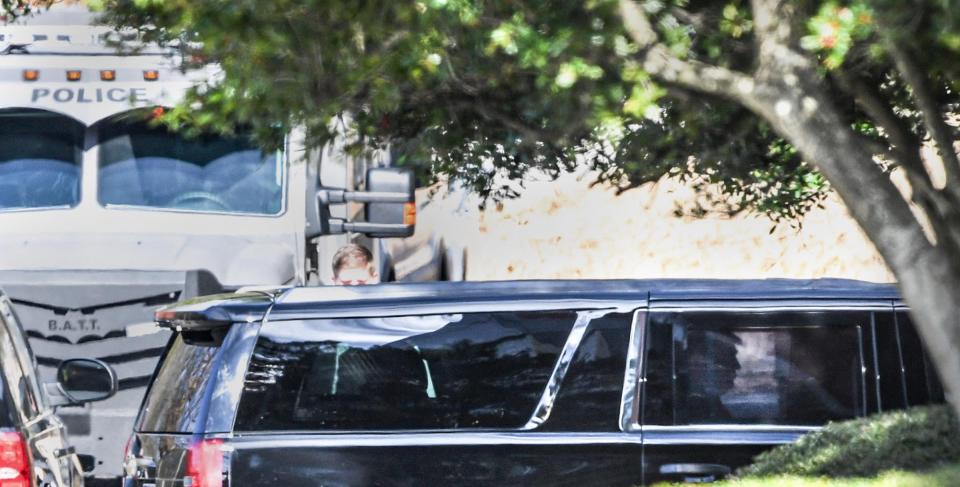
(565, 229)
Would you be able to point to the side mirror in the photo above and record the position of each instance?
(81, 380)
(389, 206)
(401, 216)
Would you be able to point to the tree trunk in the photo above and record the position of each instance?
(927, 275)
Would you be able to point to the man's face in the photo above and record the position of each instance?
(356, 276)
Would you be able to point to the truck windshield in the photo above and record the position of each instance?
(40, 155)
(144, 165)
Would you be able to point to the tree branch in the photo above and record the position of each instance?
(662, 64)
(776, 29)
(937, 205)
(905, 143)
(773, 20)
(906, 147)
(932, 115)
(530, 135)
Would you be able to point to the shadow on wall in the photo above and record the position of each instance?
(566, 229)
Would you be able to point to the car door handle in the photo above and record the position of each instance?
(698, 472)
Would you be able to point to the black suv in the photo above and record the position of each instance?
(533, 382)
(33, 441)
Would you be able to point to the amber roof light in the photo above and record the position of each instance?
(73, 75)
(108, 75)
(31, 74)
(151, 75)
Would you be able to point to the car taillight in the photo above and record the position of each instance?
(14, 462)
(205, 463)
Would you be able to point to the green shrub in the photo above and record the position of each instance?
(916, 439)
(946, 476)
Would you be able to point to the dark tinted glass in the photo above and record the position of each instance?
(923, 385)
(39, 159)
(483, 370)
(893, 386)
(739, 368)
(6, 406)
(175, 399)
(85, 380)
(590, 395)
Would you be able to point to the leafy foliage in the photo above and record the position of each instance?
(483, 92)
(916, 439)
(942, 476)
(486, 92)
(15, 8)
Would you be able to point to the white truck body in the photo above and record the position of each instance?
(87, 273)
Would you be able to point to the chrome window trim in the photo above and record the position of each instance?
(743, 428)
(876, 360)
(863, 371)
(542, 411)
(738, 434)
(630, 400)
(493, 305)
(767, 305)
(724, 434)
(268, 439)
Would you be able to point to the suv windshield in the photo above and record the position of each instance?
(40, 154)
(145, 165)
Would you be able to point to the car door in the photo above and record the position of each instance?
(440, 399)
(721, 385)
(53, 460)
(920, 382)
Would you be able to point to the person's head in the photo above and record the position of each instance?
(353, 265)
(712, 359)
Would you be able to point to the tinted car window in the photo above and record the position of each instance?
(923, 384)
(890, 364)
(482, 370)
(590, 395)
(740, 368)
(20, 393)
(6, 409)
(175, 399)
(30, 388)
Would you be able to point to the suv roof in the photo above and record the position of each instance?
(292, 303)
